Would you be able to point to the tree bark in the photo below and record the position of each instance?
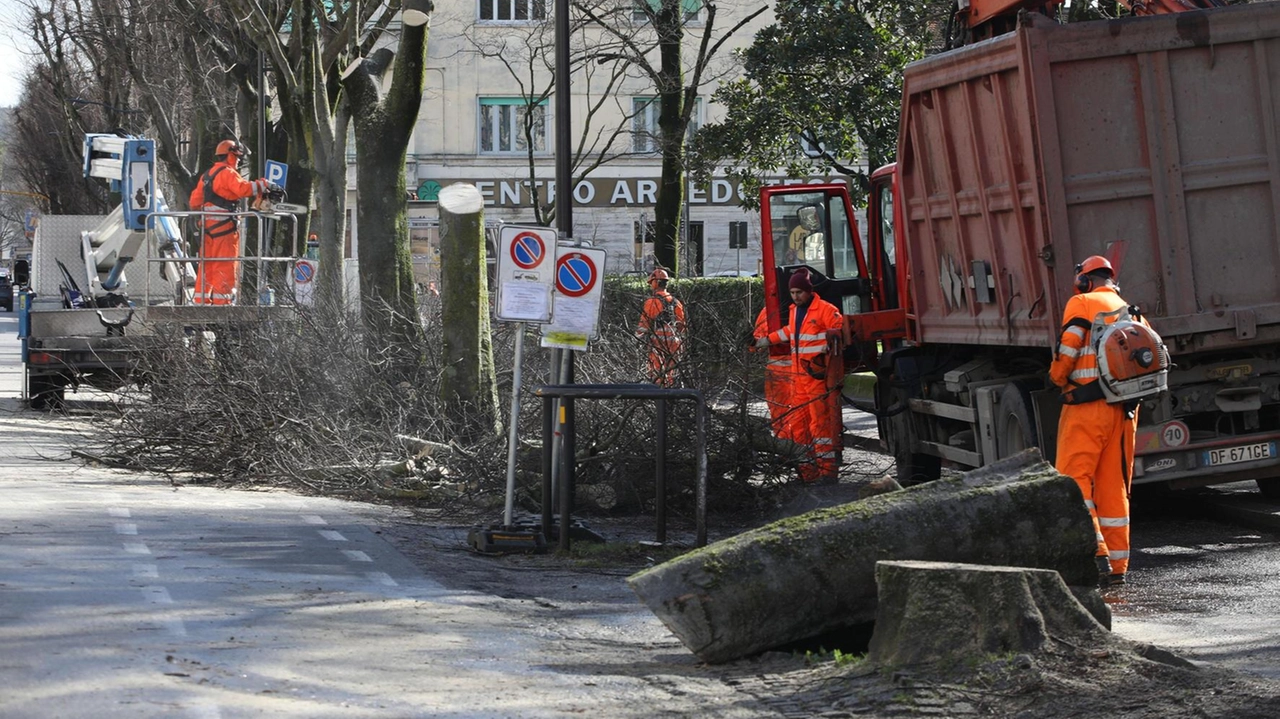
(668, 211)
(940, 612)
(808, 575)
(468, 385)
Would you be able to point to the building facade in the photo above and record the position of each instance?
(487, 118)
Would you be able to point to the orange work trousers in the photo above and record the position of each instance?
(664, 355)
(216, 279)
(1095, 448)
(777, 395)
(817, 425)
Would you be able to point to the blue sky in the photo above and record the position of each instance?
(15, 46)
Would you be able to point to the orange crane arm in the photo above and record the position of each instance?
(1164, 7)
(977, 12)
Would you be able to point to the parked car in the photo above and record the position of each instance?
(6, 293)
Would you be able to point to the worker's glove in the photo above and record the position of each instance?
(761, 342)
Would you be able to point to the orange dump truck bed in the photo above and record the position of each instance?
(1152, 141)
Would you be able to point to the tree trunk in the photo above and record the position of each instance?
(468, 385)
(805, 576)
(388, 296)
(939, 612)
(668, 209)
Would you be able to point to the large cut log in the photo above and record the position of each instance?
(808, 575)
(944, 613)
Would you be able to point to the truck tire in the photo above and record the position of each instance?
(914, 468)
(45, 392)
(893, 420)
(1270, 488)
(1015, 424)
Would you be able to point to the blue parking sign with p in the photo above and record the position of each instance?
(277, 172)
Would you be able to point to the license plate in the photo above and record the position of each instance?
(1243, 453)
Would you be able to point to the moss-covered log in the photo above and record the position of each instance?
(805, 576)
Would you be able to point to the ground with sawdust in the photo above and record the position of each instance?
(1067, 679)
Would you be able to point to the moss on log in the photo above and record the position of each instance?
(808, 575)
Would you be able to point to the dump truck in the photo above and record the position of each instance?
(1151, 141)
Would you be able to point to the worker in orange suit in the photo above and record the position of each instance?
(777, 383)
(219, 191)
(816, 331)
(662, 326)
(1095, 438)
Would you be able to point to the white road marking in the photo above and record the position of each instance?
(332, 535)
(175, 627)
(126, 528)
(147, 571)
(204, 711)
(118, 512)
(356, 555)
(136, 548)
(157, 595)
(382, 578)
(313, 519)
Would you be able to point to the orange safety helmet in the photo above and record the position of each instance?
(658, 276)
(231, 147)
(1091, 264)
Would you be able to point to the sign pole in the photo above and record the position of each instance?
(515, 422)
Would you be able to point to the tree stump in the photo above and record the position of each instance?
(945, 613)
(468, 386)
(808, 575)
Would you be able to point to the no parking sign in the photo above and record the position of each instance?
(579, 287)
(303, 276)
(526, 268)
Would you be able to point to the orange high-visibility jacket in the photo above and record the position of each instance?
(809, 341)
(1076, 363)
(668, 334)
(218, 191)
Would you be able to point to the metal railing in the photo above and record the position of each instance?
(192, 263)
(568, 393)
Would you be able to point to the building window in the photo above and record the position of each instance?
(639, 14)
(644, 232)
(511, 124)
(512, 10)
(645, 135)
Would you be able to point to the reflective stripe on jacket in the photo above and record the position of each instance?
(809, 341)
(1076, 364)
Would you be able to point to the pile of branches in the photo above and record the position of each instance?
(316, 402)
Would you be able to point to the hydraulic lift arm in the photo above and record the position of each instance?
(129, 163)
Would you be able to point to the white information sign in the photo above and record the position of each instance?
(525, 273)
(579, 287)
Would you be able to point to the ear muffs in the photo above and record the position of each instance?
(1084, 283)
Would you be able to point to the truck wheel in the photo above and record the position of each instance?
(1270, 488)
(45, 392)
(917, 468)
(1015, 428)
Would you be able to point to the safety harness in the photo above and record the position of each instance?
(217, 227)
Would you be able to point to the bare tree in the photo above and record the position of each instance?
(647, 38)
(527, 55)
